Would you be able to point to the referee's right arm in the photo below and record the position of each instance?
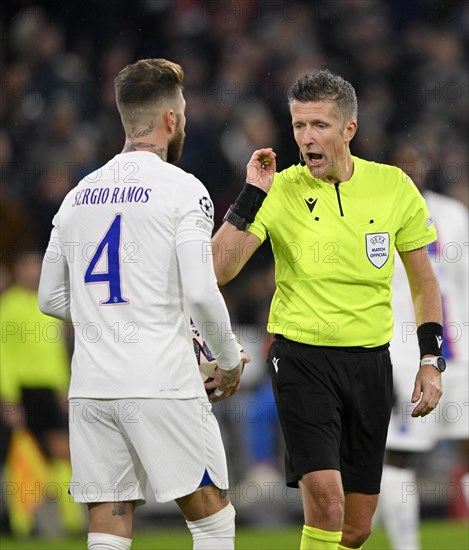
(231, 249)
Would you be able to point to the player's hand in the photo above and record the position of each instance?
(261, 169)
(427, 389)
(226, 382)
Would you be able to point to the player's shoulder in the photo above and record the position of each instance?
(190, 191)
(175, 175)
(187, 191)
(187, 180)
(153, 164)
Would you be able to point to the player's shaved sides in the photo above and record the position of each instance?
(146, 86)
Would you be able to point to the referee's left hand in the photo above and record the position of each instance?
(427, 390)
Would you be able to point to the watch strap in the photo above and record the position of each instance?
(431, 361)
(233, 218)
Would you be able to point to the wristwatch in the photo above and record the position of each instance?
(237, 221)
(438, 362)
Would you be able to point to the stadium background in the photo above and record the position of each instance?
(406, 59)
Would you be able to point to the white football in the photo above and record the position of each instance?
(207, 363)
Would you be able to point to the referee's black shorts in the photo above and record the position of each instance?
(334, 406)
(44, 414)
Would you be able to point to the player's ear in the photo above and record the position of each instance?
(170, 121)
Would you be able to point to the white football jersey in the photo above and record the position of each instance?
(449, 256)
(119, 230)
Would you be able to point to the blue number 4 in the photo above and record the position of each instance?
(109, 245)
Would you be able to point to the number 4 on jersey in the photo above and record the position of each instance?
(109, 245)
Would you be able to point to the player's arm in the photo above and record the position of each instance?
(233, 245)
(209, 313)
(54, 285)
(426, 298)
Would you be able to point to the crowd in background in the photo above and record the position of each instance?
(406, 59)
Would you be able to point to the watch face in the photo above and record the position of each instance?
(441, 364)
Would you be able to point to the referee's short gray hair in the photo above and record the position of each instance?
(325, 86)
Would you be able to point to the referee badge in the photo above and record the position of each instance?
(377, 248)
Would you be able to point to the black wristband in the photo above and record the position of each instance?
(430, 337)
(248, 202)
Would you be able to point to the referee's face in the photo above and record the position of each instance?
(323, 139)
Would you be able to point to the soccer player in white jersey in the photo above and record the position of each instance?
(129, 263)
(400, 492)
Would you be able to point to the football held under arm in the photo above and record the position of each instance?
(206, 304)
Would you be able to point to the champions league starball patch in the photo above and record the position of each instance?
(377, 248)
(206, 206)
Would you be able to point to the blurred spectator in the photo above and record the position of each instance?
(34, 381)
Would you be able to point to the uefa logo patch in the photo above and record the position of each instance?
(206, 206)
(377, 248)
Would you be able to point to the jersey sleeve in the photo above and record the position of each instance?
(206, 304)
(193, 245)
(417, 227)
(54, 285)
(258, 228)
(195, 213)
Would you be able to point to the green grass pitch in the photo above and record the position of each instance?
(436, 535)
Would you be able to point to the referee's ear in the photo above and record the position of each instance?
(349, 130)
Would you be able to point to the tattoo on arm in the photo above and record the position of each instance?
(139, 145)
(229, 377)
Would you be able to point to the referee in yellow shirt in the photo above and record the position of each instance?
(334, 221)
(34, 378)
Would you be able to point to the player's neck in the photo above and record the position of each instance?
(146, 136)
(150, 146)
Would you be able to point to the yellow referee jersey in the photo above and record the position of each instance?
(333, 246)
(33, 353)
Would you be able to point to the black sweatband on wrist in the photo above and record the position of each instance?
(248, 202)
(430, 336)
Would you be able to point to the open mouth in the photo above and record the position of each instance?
(314, 156)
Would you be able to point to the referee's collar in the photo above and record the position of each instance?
(347, 183)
